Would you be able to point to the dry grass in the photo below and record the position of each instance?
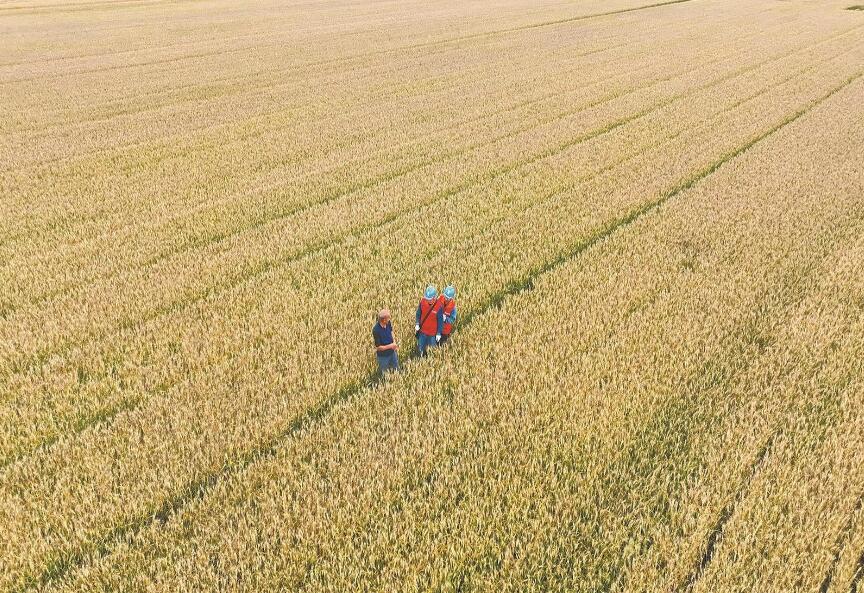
(659, 265)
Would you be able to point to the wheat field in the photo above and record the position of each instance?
(653, 212)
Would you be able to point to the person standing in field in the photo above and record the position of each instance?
(447, 304)
(429, 322)
(385, 345)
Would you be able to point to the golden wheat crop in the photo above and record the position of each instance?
(653, 213)
(359, 526)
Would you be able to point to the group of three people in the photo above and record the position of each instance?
(433, 325)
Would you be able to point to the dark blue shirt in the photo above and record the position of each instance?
(383, 335)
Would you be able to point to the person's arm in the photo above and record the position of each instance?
(383, 348)
(392, 345)
(453, 315)
(417, 319)
(439, 316)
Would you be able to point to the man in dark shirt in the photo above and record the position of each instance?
(385, 345)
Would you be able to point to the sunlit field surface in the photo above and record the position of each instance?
(653, 212)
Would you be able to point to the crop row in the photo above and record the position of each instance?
(625, 143)
(552, 460)
(144, 456)
(259, 69)
(289, 238)
(323, 34)
(277, 182)
(698, 112)
(231, 191)
(309, 95)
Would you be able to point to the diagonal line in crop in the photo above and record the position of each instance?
(105, 415)
(550, 23)
(730, 508)
(113, 68)
(72, 7)
(726, 514)
(115, 52)
(444, 156)
(391, 50)
(858, 576)
(381, 178)
(312, 249)
(251, 82)
(271, 85)
(272, 186)
(65, 562)
(409, 47)
(184, 302)
(294, 108)
(249, 78)
(840, 543)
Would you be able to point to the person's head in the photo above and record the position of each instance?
(384, 316)
(431, 293)
(450, 293)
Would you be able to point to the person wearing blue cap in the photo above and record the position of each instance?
(447, 304)
(429, 322)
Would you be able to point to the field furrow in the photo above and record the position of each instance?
(456, 421)
(280, 239)
(173, 459)
(305, 182)
(652, 211)
(275, 190)
(112, 378)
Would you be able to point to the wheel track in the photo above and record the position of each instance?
(728, 511)
(840, 544)
(439, 129)
(255, 134)
(183, 303)
(106, 415)
(858, 576)
(64, 563)
(386, 51)
(725, 514)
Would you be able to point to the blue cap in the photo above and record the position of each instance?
(431, 292)
(450, 293)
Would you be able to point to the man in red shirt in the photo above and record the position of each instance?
(430, 321)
